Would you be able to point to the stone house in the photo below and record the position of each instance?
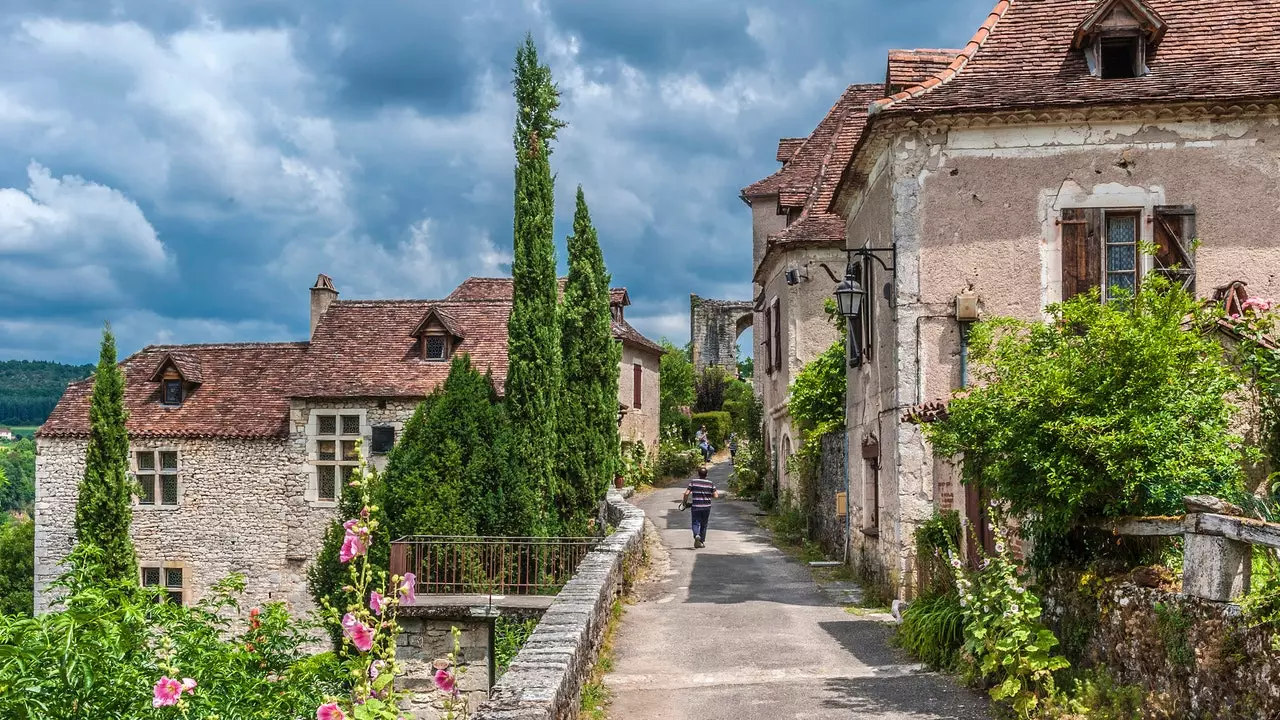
(1071, 144)
(241, 449)
(6, 434)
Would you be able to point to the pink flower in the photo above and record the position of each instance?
(408, 588)
(359, 633)
(445, 681)
(330, 711)
(352, 546)
(188, 685)
(376, 602)
(166, 692)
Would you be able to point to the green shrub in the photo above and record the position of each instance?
(1096, 695)
(676, 459)
(1106, 410)
(509, 635)
(709, 389)
(675, 373)
(788, 521)
(17, 565)
(746, 481)
(934, 538)
(718, 424)
(637, 464)
(932, 630)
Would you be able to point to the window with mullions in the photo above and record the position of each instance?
(157, 474)
(170, 578)
(1121, 255)
(336, 453)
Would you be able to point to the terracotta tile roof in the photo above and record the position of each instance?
(242, 394)
(619, 296)
(628, 335)
(795, 180)
(907, 68)
(1022, 57)
(787, 148)
(186, 363)
(365, 348)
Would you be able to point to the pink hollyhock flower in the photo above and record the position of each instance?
(352, 547)
(330, 711)
(166, 692)
(188, 685)
(376, 602)
(359, 633)
(408, 588)
(445, 681)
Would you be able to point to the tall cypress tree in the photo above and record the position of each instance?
(588, 412)
(104, 506)
(533, 371)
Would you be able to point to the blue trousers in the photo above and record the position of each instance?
(700, 518)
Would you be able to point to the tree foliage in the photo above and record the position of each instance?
(17, 565)
(1106, 410)
(18, 476)
(816, 404)
(588, 411)
(533, 372)
(675, 373)
(709, 389)
(450, 473)
(29, 389)
(104, 507)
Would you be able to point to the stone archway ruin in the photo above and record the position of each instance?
(714, 327)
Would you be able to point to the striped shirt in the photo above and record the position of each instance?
(701, 491)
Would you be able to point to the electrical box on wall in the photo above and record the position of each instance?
(842, 504)
(967, 306)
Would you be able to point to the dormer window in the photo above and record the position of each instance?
(438, 335)
(1117, 36)
(173, 392)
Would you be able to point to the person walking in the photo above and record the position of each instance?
(698, 496)
(733, 446)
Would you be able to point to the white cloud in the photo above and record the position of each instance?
(68, 238)
(78, 338)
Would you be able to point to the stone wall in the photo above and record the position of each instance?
(825, 527)
(714, 326)
(544, 681)
(424, 640)
(1196, 659)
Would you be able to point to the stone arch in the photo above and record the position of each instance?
(714, 327)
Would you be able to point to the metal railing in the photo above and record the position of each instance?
(490, 565)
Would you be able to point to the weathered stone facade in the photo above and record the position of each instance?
(714, 327)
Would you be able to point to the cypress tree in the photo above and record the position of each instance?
(533, 371)
(588, 414)
(104, 507)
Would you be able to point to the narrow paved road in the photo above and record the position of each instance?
(739, 631)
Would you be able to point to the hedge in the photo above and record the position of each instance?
(718, 424)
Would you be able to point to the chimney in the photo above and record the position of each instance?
(322, 295)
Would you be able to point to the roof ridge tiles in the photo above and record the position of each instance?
(958, 64)
(222, 346)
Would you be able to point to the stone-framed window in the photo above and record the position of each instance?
(171, 576)
(1103, 247)
(333, 436)
(157, 472)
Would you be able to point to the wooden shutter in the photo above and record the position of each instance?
(1175, 235)
(636, 372)
(768, 346)
(1081, 250)
(777, 334)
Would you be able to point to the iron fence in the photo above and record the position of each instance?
(489, 565)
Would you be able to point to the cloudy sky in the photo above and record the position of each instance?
(185, 169)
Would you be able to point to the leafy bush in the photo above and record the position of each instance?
(17, 565)
(18, 476)
(932, 630)
(746, 480)
(675, 459)
(718, 424)
(675, 373)
(934, 538)
(1107, 410)
(637, 464)
(509, 635)
(1096, 695)
(709, 389)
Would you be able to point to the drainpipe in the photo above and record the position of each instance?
(964, 353)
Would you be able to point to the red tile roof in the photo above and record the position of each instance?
(1022, 57)
(787, 148)
(908, 68)
(360, 348)
(243, 394)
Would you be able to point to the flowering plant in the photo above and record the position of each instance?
(1004, 639)
(448, 677)
(368, 619)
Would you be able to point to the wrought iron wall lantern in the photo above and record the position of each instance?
(850, 294)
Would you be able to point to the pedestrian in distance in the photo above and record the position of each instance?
(698, 496)
(733, 446)
(704, 443)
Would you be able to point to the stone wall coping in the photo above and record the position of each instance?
(544, 680)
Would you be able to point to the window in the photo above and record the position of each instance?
(766, 343)
(637, 370)
(157, 474)
(777, 334)
(384, 438)
(172, 392)
(871, 486)
(435, 347)
(170, 578)
(1120, 57)
(336, 453)
(1121, 254)
(1102, 248)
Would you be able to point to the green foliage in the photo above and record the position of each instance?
(676, 380)
(718, 425)
(587, 418)
(676, 459)
(1005, 644)
(741, 404)
(638, 466)
(746, 479)
(709, 389)
(17, 566)
(18, 476)
(934, 538)
(1172, 624)
(932, 630)
(29, 389)
(102, 655)
(746, 367)
(534, 368)
(816, 404)
(788, 521)
(1107, 410)
(104, 508)
(509, 635)
(450, 472)
(1096, 695)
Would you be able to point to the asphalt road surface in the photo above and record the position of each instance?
(739, 631)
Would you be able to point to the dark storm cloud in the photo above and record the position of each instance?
(186, 170)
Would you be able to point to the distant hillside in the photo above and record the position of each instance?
(29, 389)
